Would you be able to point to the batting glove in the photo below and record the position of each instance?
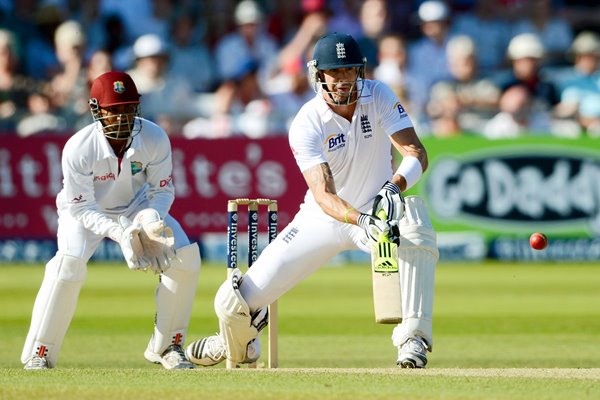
(374, 228)
(390, 200)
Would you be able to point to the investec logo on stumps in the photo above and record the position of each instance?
(335, 142)
(232, 236)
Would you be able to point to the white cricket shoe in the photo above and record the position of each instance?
(211, 350)
(412, 353)
(207, 351)
(36, 362)
(172, 358)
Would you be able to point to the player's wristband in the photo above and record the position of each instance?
(410, 168)
(346, 214)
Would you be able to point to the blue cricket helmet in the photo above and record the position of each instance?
(332, 51)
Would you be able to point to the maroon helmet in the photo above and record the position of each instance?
(111, 89)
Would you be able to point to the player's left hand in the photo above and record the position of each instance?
(390, 200)
(157, 239)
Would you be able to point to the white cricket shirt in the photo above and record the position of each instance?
(358, 152)
(95, 192)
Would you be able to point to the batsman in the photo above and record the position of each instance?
(116, 184)
(343, 140)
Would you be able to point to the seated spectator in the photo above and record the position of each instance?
(526, 53)
(14, 86)
(554, 31)
(374, 23)
(517, 116)
(490, 32)
(249, 42)
(580, 96)
(190, 58)
(167, 99)
(464, 103)
(393, 67)
(239, 108)
(427, 55)
(41, 117)
(68, 87)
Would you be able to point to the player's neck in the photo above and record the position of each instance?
(346, 111)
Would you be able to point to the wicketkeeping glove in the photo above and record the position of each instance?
(127, 235)
(157, 239)
(375, 227)
(390, 200)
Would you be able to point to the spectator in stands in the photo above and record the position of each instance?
(68, 87)
(14, 86)
(464, 103)
(190, 58)
(554, 31)
(167, 98)
(427, 58)
(526, 53)
(374, 23)
(491, 34)
(42, 117)
(345, 17)
(393, 67)
(580, 96)
(40, 57)
(240, 108)
(249, 42)
(517, 116)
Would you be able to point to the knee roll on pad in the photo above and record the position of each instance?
(235, 320)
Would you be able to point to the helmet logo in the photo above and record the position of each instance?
(340, 49)
(118, 87)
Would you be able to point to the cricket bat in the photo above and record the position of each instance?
(386, 279)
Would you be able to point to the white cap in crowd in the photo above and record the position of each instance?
(433, 10)
(248, 12)
(587, 42)
(525, 45)
(150, 45)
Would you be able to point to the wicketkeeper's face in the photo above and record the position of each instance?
(118, 121)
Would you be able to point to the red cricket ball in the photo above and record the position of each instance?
(538, 241)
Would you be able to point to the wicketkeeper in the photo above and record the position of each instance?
(117, 184)
(343, 140)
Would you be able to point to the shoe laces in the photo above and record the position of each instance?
(174, 353)
(215, 348)
(37, 362)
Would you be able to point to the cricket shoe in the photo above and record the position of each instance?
(211, 350)
(207, 351)
(172, 358)
(36, 362)
(412, 353)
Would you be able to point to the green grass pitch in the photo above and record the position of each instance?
(501, 331)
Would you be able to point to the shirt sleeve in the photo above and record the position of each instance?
(306, 146)
(161, 193)
(394, 117)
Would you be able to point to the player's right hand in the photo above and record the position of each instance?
(375, 227)
(131, 246)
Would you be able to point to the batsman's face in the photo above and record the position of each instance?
(118, 120)
(341, 83)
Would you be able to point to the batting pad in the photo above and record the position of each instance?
(235, 320)
(418, 254)
(54, 307)
(175, 298)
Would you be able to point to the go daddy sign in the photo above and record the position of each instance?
(514, 186)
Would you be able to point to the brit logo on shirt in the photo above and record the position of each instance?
(400, 109)
(365, 126)
(136, 167)
(335, 141)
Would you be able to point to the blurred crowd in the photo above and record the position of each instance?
(211, 69)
